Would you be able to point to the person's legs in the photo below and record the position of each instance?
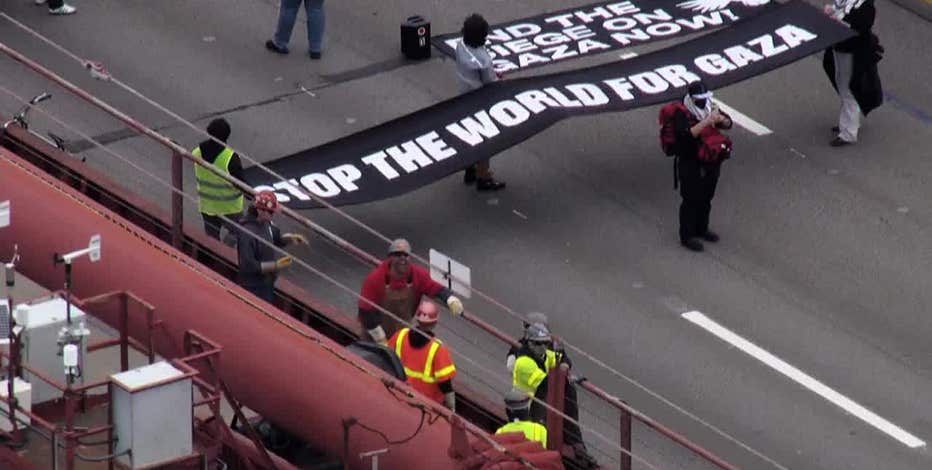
(53, 4)
(469, 175)
(709, 181)
(315, 25)
(484, 179)
(287, 13)
(688, 172)
(212, 225)
(262, 290)
(849, 117)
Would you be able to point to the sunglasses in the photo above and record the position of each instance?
(400, 255)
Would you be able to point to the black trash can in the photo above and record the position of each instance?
(415, 38)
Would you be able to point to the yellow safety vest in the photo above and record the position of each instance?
(215, 195)
(532, 431)
(527, 376)
(428, 375)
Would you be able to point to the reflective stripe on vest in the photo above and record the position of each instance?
(215, 195)
(426, 376)
(527, 375)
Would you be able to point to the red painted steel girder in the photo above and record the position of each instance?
(274, 364)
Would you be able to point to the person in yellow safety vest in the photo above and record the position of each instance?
(217, 197)
(518, 408)
(427, 362)
(534, 360)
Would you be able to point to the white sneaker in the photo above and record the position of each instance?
(63, 10)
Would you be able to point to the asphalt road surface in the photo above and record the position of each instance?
(809, 337)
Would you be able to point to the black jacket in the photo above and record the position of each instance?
(252, 253)
(866, 52)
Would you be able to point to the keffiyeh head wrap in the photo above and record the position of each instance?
(844, 7)
(702, 112)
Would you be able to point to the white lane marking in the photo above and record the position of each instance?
(805, 380)
(743, 120)
(737, 117)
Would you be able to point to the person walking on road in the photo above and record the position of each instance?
(287, 14)
(217, 198)
(427, 362)
(473, 71)
(259, 263)
(397, 286)
(851, 66)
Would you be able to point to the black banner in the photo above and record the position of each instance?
(415, 150)
(602, 27)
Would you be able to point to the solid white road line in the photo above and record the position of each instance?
(805, 380)
(737, 117)
(743, 120)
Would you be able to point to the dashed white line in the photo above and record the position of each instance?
(804, 379)
(743, 120)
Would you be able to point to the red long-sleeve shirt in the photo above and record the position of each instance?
(373, 288)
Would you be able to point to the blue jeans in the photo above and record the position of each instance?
(287, 14)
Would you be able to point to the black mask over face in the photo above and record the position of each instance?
(700, 102)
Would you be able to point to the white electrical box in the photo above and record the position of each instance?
(42, 322)
(152, 415)
(22, 390)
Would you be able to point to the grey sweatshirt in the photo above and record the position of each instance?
(473, 67)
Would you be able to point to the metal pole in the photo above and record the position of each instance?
(124, 334)
(177, 202)
(69, 427)
(625, 440)
(556, 395)
(11, 368)
(673, 435)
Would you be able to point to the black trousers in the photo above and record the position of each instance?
(213, 224)
(53, 4)
(697, 188)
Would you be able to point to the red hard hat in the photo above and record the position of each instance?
(427, 313)
(266, 200)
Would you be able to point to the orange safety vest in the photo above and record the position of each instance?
(425, 367)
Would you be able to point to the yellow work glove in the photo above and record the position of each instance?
(455, 305)
(296, 238)
(283, 262)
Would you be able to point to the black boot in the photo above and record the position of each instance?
(469, 176)
(710, 236)
(692, 244)
(489, 184)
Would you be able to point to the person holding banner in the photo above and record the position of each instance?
(697, 175)
(473, 70)
(397, 286)
(851, 66)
